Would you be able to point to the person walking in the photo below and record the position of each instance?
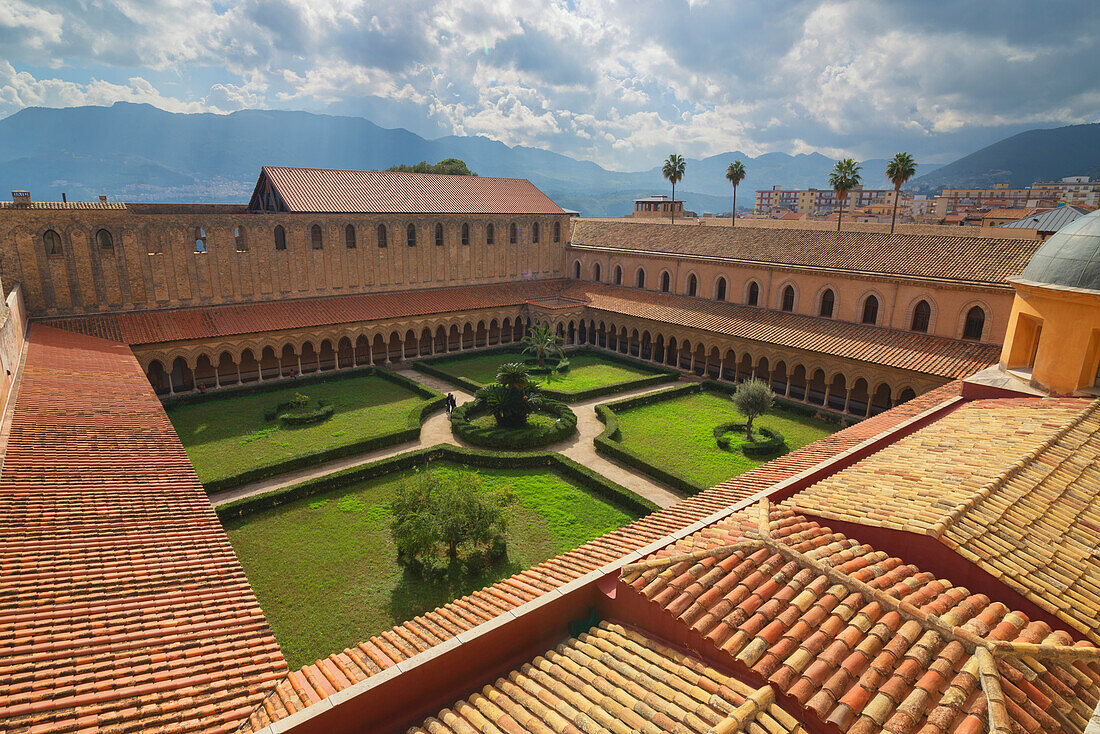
(450, 403)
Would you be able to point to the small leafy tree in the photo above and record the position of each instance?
(753, 399)
(541, 341)
(513, 396)
(452, 514)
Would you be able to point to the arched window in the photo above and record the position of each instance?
(720, 290)
(618, 275)
(693, 285)
(410, 235)
(349, 236)
(577, 269)
(828, 300)
(489, 233)
(922, 314)
(280, 237)
(52, 242)
(596, 272)
(513, 233)
(316, 237)
(438, 234)
(535, 232)
(754, 294)
(975, 323)
(382, 236)
(465, 233)
(200, 239)
(557, 231)
(640, 278)
(104, 240)
(788, 298)
(666, 282)
(870, 310)
(239, 239)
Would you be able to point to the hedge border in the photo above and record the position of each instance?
(598, 484)
(411, 432)
(504, 438)
(609, 443)
(772, 444)
(661, 374)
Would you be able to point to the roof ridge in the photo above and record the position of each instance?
(986, 491)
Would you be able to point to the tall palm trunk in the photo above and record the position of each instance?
(733, 214)
(673, 205)
(894, 216)
(840, 216)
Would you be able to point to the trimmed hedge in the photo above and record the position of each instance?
(306, 417)
(809, 411)
(661, 374)
(411, 432)
(773, 443)
(277, 384)
(583, 476)
(513, 438)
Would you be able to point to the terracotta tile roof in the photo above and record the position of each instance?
(122, 604)
(341, 670)
(950, 358)
(969, 259)
(613, 678)
(64, 205)
(1012, 485)
(328, 190)
(866, 641)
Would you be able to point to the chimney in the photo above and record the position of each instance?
(103, 198)
(21, 199)
(63, 199)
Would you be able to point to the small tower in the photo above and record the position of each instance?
(1053, 337)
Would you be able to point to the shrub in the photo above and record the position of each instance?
(504, 437)
(459, 514)
(306, 417)
(512, 397)
(753, 399)
(771, 443)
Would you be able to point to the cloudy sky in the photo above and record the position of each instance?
(617, 82)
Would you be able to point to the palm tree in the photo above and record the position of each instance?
(512, 397)
(674, 171)
(735, 174)
(844, 178)
(900, 169)
(541, 341)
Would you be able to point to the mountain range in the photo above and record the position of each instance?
(136, 152)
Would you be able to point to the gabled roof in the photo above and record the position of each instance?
(967, 259)
(122, 604)
(325, 190)
(1051, 220)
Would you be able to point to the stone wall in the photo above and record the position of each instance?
(154, 262)
(13, 328)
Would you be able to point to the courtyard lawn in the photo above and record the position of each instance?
(324, 568)
(227, 436)
(586, 371)
(678, 435)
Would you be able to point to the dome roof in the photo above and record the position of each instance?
(1071, 257)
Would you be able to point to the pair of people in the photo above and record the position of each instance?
(451, 403)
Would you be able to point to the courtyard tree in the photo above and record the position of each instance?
(844, 178)
(674, 171)
(513, 396)
(735, 174)
(753, 398)
(900, 169)
(455, 516)
(541, 341)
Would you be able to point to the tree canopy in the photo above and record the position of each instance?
(753, 399)
(449, 166)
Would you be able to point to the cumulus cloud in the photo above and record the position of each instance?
(619, 83)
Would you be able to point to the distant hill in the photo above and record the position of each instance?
(137, 152)
(1021, 160)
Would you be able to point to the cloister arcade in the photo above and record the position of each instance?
(852, 389)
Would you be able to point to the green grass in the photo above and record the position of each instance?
(226, 436)
(586, 371)
(324, 568)
(678, 435)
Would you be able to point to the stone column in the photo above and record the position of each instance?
(847, 398)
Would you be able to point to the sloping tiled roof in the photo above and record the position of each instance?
(341, 670)
(613, 678)
(1049, 221)
(948, 358)
(122, 604)
(967, 259)
(866, 641)
(329, 190)
(63, 205)
(1013, 485)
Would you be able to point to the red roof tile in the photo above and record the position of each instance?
(122, 604)
(328, 190)
(299, 689)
